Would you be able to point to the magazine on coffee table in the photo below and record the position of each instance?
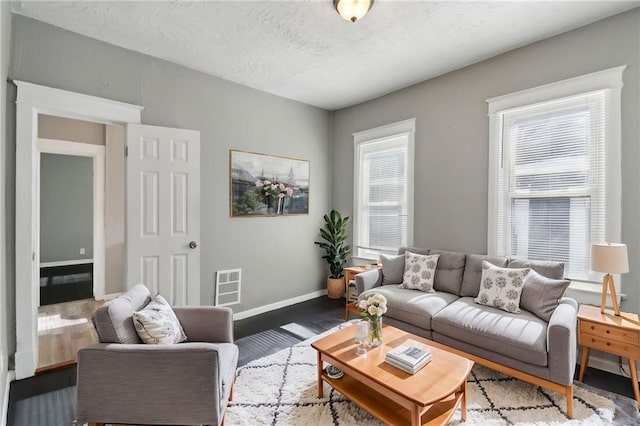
(410, 353)
(406, 368)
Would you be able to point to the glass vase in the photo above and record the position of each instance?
(375, 332)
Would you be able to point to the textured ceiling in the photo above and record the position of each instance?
(303, 50)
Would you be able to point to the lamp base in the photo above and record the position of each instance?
(607, 284)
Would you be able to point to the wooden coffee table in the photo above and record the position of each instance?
(429, 397)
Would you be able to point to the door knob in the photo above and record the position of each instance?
(193, 245)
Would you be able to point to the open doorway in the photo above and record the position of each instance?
(72, 220)
(32, 101)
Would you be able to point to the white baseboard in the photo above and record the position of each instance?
(273, 306)
(4, 410)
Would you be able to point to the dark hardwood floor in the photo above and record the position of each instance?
(49, 399)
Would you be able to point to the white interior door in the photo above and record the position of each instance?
(163, 212)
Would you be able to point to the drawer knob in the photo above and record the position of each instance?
(593, 327)
(593, 340)
(608, 343)
(608, 331)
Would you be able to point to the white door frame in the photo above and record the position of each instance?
(97, 154)
(33, 99)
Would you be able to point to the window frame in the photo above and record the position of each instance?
(609, 80)
(404, 128)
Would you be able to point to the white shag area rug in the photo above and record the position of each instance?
(280, 389)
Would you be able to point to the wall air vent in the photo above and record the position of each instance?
(228, 287)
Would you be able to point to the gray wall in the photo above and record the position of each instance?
(66, 207)
(277, 255)
(452, 134)
(6, 304)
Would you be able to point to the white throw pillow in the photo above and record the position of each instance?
(419, 271)
(501, 287)
(156, 323)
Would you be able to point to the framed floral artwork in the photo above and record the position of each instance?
(267, 185)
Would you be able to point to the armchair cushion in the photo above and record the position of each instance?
(113, 321)
(157, 324)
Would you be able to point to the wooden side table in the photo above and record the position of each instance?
(350, 274)
(617, 335)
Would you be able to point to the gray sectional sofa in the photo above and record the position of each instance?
(522, 345)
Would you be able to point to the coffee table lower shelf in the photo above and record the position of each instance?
(389, 411)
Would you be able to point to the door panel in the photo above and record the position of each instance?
(163, 211)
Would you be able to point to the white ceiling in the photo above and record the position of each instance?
(303, 50)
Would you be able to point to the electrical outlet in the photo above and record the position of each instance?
(82, 250)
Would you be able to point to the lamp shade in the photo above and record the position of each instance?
(610, 258)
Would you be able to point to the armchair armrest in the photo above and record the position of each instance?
(562, 341)
(365, 281)
(206, 323)
(122, 383)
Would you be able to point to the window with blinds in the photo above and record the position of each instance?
(555, 181)
(383, 191)
(551, 186)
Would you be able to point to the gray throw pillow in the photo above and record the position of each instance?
(541, 295)
(392, 269)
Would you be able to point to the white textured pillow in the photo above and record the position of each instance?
(156, 323)
(419, 271)
(501, 287)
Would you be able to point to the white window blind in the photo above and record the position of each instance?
(383, 193)
(551, 183)
(555, 182)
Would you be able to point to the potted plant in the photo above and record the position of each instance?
(336, 251)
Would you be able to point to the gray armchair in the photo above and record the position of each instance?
(122, 380)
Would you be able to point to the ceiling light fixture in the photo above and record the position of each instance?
(352, 10)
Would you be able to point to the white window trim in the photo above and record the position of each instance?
(610, 79)
(405, 127)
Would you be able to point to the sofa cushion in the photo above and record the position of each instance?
(541, 295)
(419, 271)
(520, 336)
(416, 250)
(392, 268)
(501, 287)
(157, 324)
(114, 322)
(413, 306)
(473, 272)
(547, 268)
(449, 271)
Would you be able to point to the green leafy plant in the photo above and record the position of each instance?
(334, 235)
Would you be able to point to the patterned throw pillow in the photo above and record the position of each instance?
(419, 271)
(156, 323)
(501, 287)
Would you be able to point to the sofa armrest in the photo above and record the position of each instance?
(365, 281)
(124, 383)
(206, 323)
(562, 341)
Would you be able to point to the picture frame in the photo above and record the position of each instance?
(267, 185)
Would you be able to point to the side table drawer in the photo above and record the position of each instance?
(613, 333)
(626, 350)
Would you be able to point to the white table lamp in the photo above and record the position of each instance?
(610, 258)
